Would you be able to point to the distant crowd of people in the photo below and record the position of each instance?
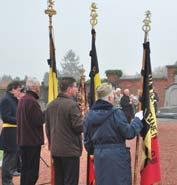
(130, 103)
(112, 119)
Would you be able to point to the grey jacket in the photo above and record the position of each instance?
(64, 127)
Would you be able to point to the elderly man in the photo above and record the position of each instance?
(117, 97)
(8, 107)
(105, 131)
(64, 128)
(30, 136)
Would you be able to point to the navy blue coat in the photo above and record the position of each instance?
(8, 107)
(105, 131)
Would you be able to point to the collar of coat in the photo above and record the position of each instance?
(10, 95)
(102, 105)
(32, 94)
(64, 95)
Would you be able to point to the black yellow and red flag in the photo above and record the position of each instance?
(95, 81)
(52, 80)
(52, 84)
(150, 169)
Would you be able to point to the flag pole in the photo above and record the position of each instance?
(90, 179)
(146, 28)
(50, 11)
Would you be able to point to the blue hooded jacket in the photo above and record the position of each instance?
(105, 132)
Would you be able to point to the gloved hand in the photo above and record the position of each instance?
(139, 115)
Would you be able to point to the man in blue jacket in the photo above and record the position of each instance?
(8, 106)
(105, 132)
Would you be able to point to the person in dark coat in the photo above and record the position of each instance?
(126, 105)
(156, 100)
(63, 129)
(30, 136)
(105, 132)
(8, 107)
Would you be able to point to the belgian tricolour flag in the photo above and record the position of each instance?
(150, 169)
(94, 71)
(94, 83)
(52, 83)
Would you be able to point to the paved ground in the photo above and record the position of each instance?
(168, 152)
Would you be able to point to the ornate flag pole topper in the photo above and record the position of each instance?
(93, 15)
(50, 11)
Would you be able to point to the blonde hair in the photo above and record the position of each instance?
(104, 90)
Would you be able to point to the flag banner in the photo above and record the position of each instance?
(53, 81)
(82, 96)
(150, 169)
(95, 81)
(52, 85)
(94, 72)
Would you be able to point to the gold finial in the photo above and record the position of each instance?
(93, 15)
(82, 71)
(50, 11)
(146, 27)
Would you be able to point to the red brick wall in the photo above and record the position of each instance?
(159, 84)
(170, 73)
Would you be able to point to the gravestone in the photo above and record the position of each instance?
(171, 96)
(170, 106)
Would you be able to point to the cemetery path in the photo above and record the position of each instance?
(168, 154)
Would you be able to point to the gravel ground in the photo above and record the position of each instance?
(168, 154)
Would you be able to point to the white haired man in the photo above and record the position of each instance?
(30, 136)
(117, 97)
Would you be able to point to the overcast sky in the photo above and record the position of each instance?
(24, 34)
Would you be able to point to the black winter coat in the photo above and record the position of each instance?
(8, 107)
(30, 120)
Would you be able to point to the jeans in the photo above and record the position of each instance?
(8, 166)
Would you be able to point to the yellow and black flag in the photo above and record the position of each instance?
(53, 81)
(94, 72)
(95, 81)
(150, 171)
(52, 84)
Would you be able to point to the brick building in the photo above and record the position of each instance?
(160, 83)
(133, 83)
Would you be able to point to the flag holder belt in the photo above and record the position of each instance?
(6, 125)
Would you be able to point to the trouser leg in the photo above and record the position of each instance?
(66, 170)
(59, 175)
(8, 166)
(30, 165)
(71, 170)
